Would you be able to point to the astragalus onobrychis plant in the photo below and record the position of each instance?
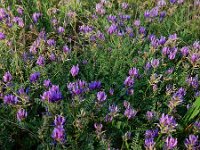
(100, 74)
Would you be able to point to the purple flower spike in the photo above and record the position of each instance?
(184, 51)
(155, 63)
(98, 127)
(21, 114)
(149, 115)
(36, 16)
(101, 96)
(167, 124)
(137, 23)
(61, 30)
(171, 143)
(130, 113)
(134, 72)
(10, 99)
(149, 144)
(2, 36)
(112, 29)
(7, 77)
(66, 49)
(129, 81)
(20, 10)
(94, 85)
(74, 70)
(58, 134)
(59, 120)
(124, 5)
(51, 42)
(47, 83)
(41, 61)
(34, 77)
(52, 95)
(197, 125)
(192, 142)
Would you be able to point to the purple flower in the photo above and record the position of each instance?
(133, 72)
(34, 77)
(162, 40)
(177, 98)
(142, 30)
(20, 10)
(185, 51)
(54, 22)
(52, 95)
(195, 58)
(3, 14)
(170, 70)
(161, 3)
(41, 61)
(2, 36)
(180, 1)
(85, 29)
(112, 29)
(111, 91)
(51, 42)
(100, 9)
(113, 109)
(151, 134)
(101, 96)
(58, 134)
(77, 88)
(196, 44)
(167, 123)
(149, 144)
(94, 85)
(137, 23)
(192, 142)
(129, 81)
(100, 36)
(193, 81)
(61, 30)
(147, 66)
(21, 114)
(171, 143)
(21, 91)
(47, 83)
(197, 125)
(74, 70)
(7, 77)
(98, 127)
(149, 115)
(112, 18)
(66, 49)
(147, 14)
(124, 5)
(126, 104)
(165, 51)
(197, 3)
(172, 53)
(36, 16)
(52, 57)
(10, 99)
(173, 37)
(130, 113)
(172, 1)
(59, 121)
(19, 21)
(155, 63)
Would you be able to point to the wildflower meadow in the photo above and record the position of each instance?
(100, 74)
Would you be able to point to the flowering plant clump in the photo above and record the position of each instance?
(100, 74)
